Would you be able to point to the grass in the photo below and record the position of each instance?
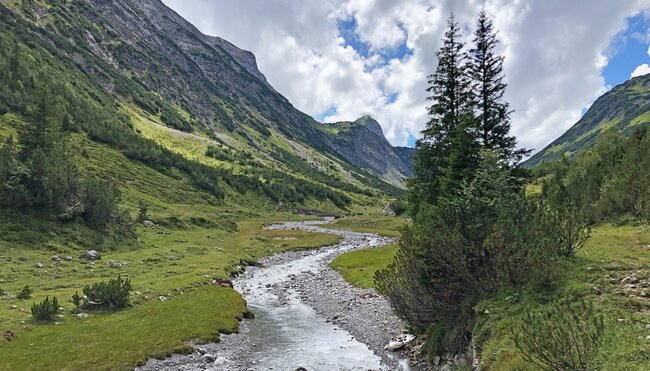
(121, 340)
(612, 253)
(178, 264)
(359, 267)
(388, 226)
(196, 238)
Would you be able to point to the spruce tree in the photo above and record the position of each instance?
(451, 108)
(488, 87)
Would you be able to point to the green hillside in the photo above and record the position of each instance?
(167, 158)
(625, 108)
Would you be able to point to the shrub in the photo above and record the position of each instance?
(143, 212)
(45, 310)
(77, 300)
(565, 336)
(25, 293)
(399, 206)
(114, 294)
(571, 228)
(101, 201)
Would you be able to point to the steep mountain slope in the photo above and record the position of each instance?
(625, 108)
(362, 143)
(150, 57)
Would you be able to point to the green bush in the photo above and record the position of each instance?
(399, 206)
(566, 336)
(25, 293)
(143, 212)
(77, 300)
(111, 294)
(45, 310)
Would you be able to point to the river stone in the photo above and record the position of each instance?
(91, 255)
(209, 358)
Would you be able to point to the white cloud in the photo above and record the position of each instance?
(555, 51)
(641, 70)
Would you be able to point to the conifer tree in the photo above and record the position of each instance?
(492, 112)
(451, 108)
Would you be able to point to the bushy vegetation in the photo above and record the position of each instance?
(111, 294)
(25, 293)
(45, 310)
(475, 231)
(611, 179)
(565, 336)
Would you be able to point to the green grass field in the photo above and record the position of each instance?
(359, 267)
(176, 264)
(388, 226)
(612, 253)
(196, 238)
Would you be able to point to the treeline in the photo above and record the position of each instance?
(612, 179)
(475, 231)
(27, 69)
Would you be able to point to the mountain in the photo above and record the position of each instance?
(199, 99)
(625, 108)
(362, 143)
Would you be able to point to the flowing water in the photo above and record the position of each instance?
(286, 333)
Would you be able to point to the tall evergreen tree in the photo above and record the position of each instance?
(493, 113)
(451, 108)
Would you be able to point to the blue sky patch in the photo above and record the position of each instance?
(628, 50)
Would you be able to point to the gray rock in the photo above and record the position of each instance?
(68, 258)
(209, 358)
(56, 258)
(39, 265)
(148, 223)
(91, 255)
(114, 264)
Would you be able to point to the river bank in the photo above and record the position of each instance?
(306, 316)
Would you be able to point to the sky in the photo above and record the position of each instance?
(338, 60)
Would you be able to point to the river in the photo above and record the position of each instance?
(306, 316)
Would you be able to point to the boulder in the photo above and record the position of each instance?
(209, 358)
(56, 258)
(148, 223)
(68, 258)
(388, 210)
(39, 265)
(82, 315)
(114, 264)
(223, 282)
(91, 255)
(9, 335)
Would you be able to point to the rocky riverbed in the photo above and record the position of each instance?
(306, 316)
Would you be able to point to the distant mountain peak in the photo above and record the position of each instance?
(371, 124)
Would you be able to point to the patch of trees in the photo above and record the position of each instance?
(40, 173)
(474, 229)
(612, 179)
